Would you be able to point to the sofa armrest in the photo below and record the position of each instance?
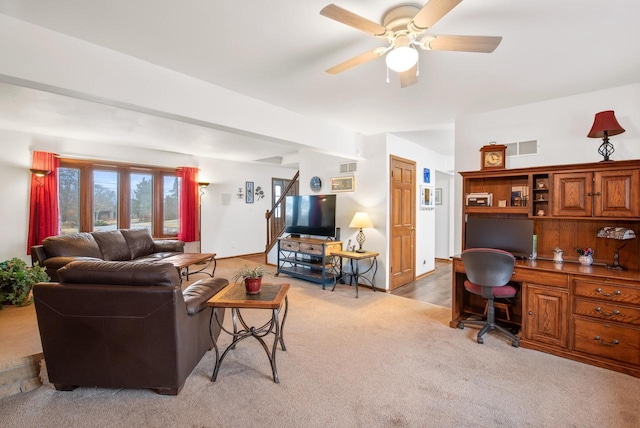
(168, 246)
(61, 261)
(38, 255)
(197, 294)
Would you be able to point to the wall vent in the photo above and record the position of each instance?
(348, 166)
(521, 148)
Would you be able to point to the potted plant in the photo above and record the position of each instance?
(17, 279)
(252, 277)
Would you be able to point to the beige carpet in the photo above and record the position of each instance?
(376, 361)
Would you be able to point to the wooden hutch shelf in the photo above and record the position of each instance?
(586, 313)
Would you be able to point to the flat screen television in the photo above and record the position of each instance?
(311, 215)
(508, 234)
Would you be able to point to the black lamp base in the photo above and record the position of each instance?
(606, 149)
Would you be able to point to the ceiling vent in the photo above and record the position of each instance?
(348, 166)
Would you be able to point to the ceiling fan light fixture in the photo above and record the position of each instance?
(425, 43)
(401, 58)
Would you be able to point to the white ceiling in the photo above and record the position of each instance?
(277, 51)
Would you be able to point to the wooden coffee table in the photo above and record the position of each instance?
(182, 262)
(234, 296)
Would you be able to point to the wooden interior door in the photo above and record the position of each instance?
(403, 222)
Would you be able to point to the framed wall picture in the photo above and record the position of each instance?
(427, 197)
(249, 192)
(343, 184)
(426, 175)
(438, 196)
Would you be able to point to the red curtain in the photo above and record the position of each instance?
(188, 230)
(43, 212)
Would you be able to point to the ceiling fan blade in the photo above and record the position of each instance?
(360, 59)
(409, 77)
(432, 12)
(351, 19)
(485, 44)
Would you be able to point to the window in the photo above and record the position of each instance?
(105, 200)
(141, 207)
(69, 195)
(107, 196)
(171, 203)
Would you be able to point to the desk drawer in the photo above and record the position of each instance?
(289, 245)
(312, 248)
(541, 277)
(607, 340)
(611, 311)
(607, 291)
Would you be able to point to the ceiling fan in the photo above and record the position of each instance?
(401, 26)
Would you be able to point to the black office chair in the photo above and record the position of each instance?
(488, 274)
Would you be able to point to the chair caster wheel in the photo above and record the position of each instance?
(461, 325)
(515, 343)
(480, 340)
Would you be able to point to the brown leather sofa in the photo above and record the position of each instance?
(111, 245)
(124, 325)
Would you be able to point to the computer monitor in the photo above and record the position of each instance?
(508, 234)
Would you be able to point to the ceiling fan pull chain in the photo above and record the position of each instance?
(387, 74)
(418, 68)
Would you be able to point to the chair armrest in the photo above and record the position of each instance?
(197, 294)
(168, 246)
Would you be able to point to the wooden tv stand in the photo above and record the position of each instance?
(310, 259)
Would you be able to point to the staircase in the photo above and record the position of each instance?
(275, 217)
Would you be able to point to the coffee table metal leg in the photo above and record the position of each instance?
(214, 314)
(277, 339)
(284, 318)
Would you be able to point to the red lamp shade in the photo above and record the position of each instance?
(605, 122)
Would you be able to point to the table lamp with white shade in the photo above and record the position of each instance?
(360, 220)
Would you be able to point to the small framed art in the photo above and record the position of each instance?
(438, 196)
(249, 192)
(343, 184)
(427, 197)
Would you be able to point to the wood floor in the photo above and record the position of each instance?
(435, 288)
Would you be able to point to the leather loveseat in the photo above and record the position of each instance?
(124, 325)
(111, 245)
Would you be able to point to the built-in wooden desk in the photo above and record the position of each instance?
(585, 313)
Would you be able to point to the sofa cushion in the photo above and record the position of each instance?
(112, 244)
(75, 244)
(139, 241)
(120, 273)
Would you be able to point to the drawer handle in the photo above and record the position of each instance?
(599, 291)
(607, 314)
(602, 342)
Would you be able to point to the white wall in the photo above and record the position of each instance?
(227, 230)
(444, 217)
(560, 125)
(238, 228)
